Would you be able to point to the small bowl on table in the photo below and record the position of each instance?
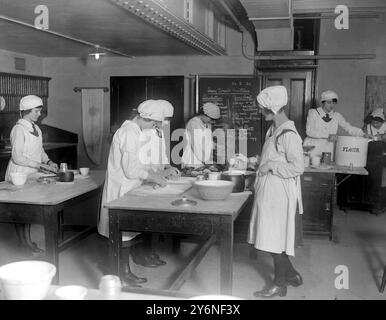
(84, 171)
(71, 293)
(214, 189)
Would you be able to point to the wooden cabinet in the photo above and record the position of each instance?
(317, 192)
(12, 88)
(367, 193)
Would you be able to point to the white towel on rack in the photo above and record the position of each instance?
(92, 120)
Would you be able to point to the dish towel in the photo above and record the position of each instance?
(92, 120)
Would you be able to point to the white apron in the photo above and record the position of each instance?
(198, 154)
(32, 148)
(116, 182)
(272, 223)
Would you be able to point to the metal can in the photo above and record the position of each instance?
(110, 287)
(63, 167)
(326, 158)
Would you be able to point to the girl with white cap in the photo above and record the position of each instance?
(277, 192)
(28, 156)
(377, 126)
(126, 170)
(322, 125)
(198, 137)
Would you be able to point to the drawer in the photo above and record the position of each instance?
(317, 180)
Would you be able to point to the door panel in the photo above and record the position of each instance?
(300, 93)
(128, 92)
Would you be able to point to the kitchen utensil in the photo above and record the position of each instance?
(306, 161)
(71, 293)
(66, 176)
(26, 280)
(326, 158)
(214, 189)
(110, 287)
(18, 178)
(184, 202)
(84, 171)
(237, 177)
(315, 161)
(63, 167)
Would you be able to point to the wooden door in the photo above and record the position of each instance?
(300, 90)
(128, 92)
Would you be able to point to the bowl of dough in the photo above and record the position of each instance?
(214, 189)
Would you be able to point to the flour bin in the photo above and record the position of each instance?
(351, 150)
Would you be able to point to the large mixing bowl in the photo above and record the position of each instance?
(214, 189)
(26, 280)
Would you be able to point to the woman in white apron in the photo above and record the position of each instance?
(127, 168)
(28, 156)
(277, 192)
(198, 137)
(323, 123)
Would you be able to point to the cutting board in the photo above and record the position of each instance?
(173, 189)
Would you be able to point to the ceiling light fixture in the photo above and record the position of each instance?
(97, 53)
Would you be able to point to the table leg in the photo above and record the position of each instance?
(115, 240)
(51, 225)
(226, 251)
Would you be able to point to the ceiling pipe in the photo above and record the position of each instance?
(57, 34)
(289, 57)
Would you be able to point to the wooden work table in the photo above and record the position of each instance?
(212, 220)
(40, 203)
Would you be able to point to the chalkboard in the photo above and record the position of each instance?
(236, 98)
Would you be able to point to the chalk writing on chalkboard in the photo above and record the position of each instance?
(236, 98)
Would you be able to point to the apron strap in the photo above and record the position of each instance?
(279, 135)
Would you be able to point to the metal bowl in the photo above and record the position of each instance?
(66, 176)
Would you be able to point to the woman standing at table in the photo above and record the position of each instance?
(28, 156)
(323, 123)
(198, 149)
(129, 166)
(277, 192)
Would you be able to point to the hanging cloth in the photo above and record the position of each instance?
(92, 120)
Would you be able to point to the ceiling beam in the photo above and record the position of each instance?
(57, 34)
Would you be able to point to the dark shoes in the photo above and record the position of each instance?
(31, 249)
(280, 291)
(271, 292)
(149, 261)
(131, 279)
(295, 281)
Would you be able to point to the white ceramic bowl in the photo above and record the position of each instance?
(71, 293)
(26, 280)
(18, 178)
(84, 171)
(214, 189)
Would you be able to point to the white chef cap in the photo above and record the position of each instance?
(328, 95)
(273, 98)
(156, 110)
(30, 102)
(211, 110)
(167, 107)
(378, 113)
